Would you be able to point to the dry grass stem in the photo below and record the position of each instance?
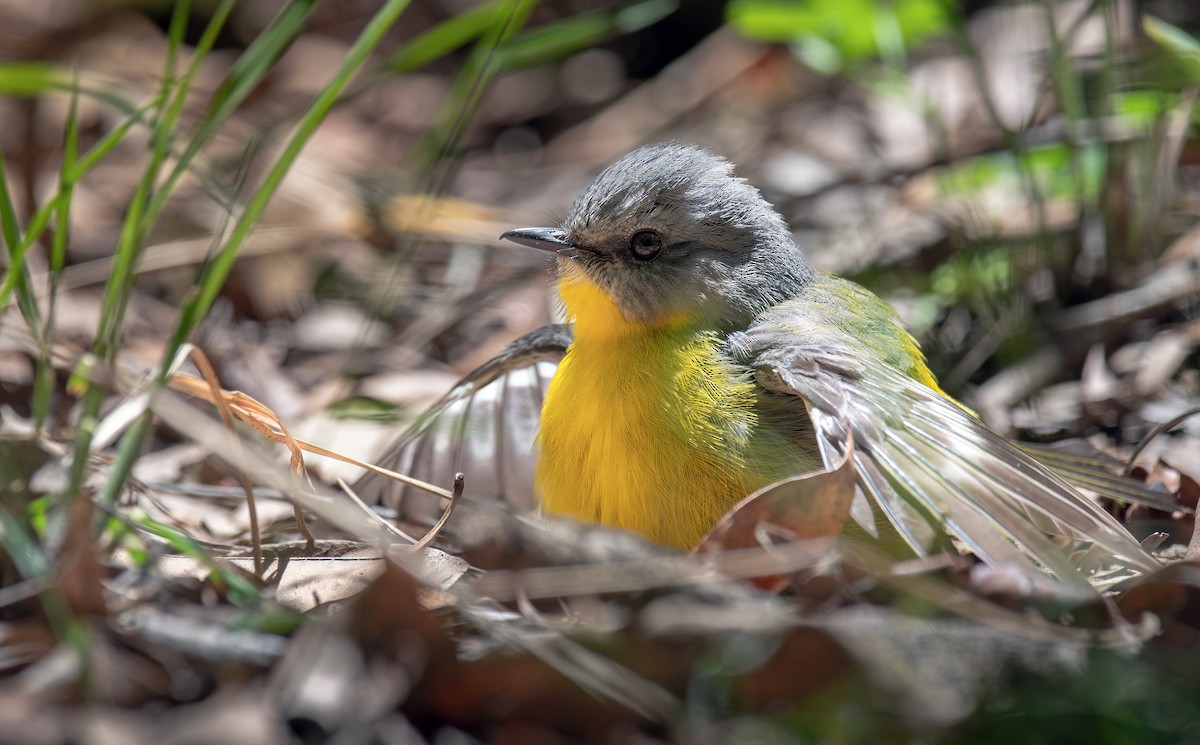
(214, 387)
(459, 482)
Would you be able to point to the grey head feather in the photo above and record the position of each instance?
(727, 254)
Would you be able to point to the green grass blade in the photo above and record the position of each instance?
(241, 591)
(443, 38)
(22, 547)
(215, 272)
(31, 79)
(18, 273)
(262, 54)
(1183, 48)
(41, 218)
(469, 85)
(43, 386)
(129, 243)
(58, 249)
(108, 143)
(25, 79)
(568, 36)
(247, 73)
(10, 227)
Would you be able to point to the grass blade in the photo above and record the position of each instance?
(445, 37)
(570, 35)
(214, 273)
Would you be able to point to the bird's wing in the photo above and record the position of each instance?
(1091, 470)
(484, 428)
(921, 458)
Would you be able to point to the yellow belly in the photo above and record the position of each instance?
(654, 431)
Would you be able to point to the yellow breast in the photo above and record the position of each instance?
(648, 427)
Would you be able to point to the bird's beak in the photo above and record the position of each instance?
(545, 239)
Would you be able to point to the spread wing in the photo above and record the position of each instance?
(921, 458)
(484, 427)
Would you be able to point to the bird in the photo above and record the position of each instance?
(704, 358)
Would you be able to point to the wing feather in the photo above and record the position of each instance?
(484, 428)
(923, 458)
(1039, 492)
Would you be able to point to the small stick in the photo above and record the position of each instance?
(372, 515)
(263, 421)
(210, 377)
(1167, 425)
(459, 483)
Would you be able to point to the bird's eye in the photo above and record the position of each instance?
(645, 244)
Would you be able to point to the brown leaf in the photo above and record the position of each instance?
(807, 662)
(25, 642)
(812, 506)
(80, 574)
(511, 689)
(1162, 358)
(1173, 594)
(387, 619)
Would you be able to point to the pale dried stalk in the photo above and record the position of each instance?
(267, 423)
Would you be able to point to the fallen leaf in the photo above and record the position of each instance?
(1173, 595)
(80, 574)
(813, 507)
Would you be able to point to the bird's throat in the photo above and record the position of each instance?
(595, 315)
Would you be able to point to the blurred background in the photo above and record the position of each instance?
(311, 193)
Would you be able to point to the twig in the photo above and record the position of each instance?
(459, 483)
(639, 574)
(297, 459)
(386, 524)
(1171, 423)
(266, 423)
(1161, 289)
(210, 377)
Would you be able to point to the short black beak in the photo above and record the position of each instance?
(545, 239)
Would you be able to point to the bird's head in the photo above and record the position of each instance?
(668, 235)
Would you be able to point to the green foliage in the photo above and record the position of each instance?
(364, 408)
(446, 37)
(545, 43)
(241, 591)
(1054, 170)
(1120, 701)
(966, 276)
(22, 547)
(1142, 109)
(554, 41)
(32, 78)
(1181, 46)
(832, 34)
(469, 84)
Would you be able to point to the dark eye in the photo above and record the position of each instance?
(645, 245)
